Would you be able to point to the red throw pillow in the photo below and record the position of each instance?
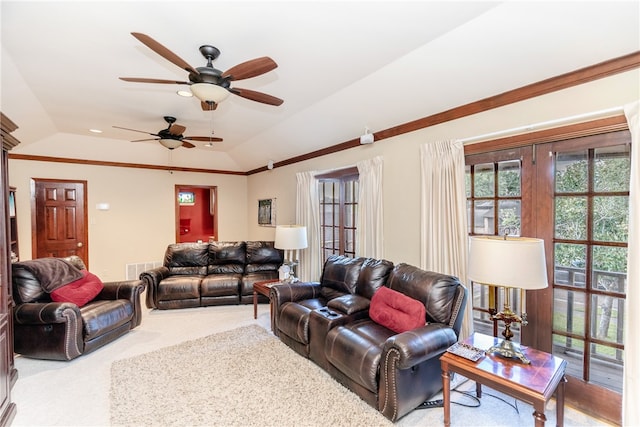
(396, 310)
(79, 292)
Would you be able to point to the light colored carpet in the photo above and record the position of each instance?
(240, 377)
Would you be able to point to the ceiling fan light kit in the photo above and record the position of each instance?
(171, 143)
(207, 92)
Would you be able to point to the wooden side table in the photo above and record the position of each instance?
(262, 288)
(535, 383)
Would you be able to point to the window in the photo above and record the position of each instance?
(338, 212)
(591, 222)
(494, 207)
(574, 194)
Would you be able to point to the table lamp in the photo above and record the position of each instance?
(508, 262)
(291, 238)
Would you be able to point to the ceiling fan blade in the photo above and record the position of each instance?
(186, 144)
(203, 138)
(251, 68)
(135, 130)
(141, 140)
(143, 80)
(164, 52)
(257, 96)
(176, 130)
(208, 105)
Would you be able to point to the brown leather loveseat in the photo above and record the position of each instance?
(214, 273)
(391, 362)
(58, 317)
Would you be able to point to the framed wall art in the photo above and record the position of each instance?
(267, 212)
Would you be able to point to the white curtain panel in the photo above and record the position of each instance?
(308, 214)
(631, 379)
(370, 224)
(444, 235)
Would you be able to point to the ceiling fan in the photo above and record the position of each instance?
(172, 137)
(208, 84)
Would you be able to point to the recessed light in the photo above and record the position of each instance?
(95, 130)
(185, 93)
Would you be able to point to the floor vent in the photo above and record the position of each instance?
(133, 271)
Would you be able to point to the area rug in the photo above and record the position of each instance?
(242, 377)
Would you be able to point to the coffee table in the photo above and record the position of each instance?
(262, 288)
(535, 383)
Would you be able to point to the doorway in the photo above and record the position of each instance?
(59, 218)
(196, 213)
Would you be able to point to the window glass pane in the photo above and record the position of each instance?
(484, 180)
(509, 217)
(571, 350)
(467, 180)
(609, 268)
(610, 218)
(348, 216)
(571, 172)
(606, 366)
(483, 214)
(328, 215)
(469, 225)
(606, 325)
(611, 169)
(570, 262)
(568, 311)
(571, 218)
(509, 178)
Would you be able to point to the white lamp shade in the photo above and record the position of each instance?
(514, 262)
(171, 143)
(291, 237)
(209, 92)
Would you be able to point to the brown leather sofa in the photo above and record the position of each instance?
(46, 329)
(329, 322)
(214, 273)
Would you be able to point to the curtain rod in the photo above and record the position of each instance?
(546, 124)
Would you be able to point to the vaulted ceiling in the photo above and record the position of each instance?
(343, 66)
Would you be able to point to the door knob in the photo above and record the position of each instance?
(79, 244)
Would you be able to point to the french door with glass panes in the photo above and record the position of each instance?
(573, 194)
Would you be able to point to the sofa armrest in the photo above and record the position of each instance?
(418, 345)
(35, 313)
(130, 290)
(151, 279)
(290, 292)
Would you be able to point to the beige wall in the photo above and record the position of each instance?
(140, 223)
(402, 164)
(141, 220)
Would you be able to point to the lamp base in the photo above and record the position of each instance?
(510, 350)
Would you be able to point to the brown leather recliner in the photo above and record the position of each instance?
(329, 323)
(45, 329)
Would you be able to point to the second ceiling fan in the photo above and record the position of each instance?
(172, 137)
(209, 84)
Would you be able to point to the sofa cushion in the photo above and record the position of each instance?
(396, 311)
(263, 256)
(179, 288)
(187, 258)
(227, 257)
(436, 291)
(79, 292)
(340, 276)
(102, 316)
(373, 274)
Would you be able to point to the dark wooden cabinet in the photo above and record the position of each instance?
(8, 373)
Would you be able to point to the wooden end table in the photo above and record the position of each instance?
(262, 288)
(535, 383)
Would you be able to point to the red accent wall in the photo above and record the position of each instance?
(196, 222)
